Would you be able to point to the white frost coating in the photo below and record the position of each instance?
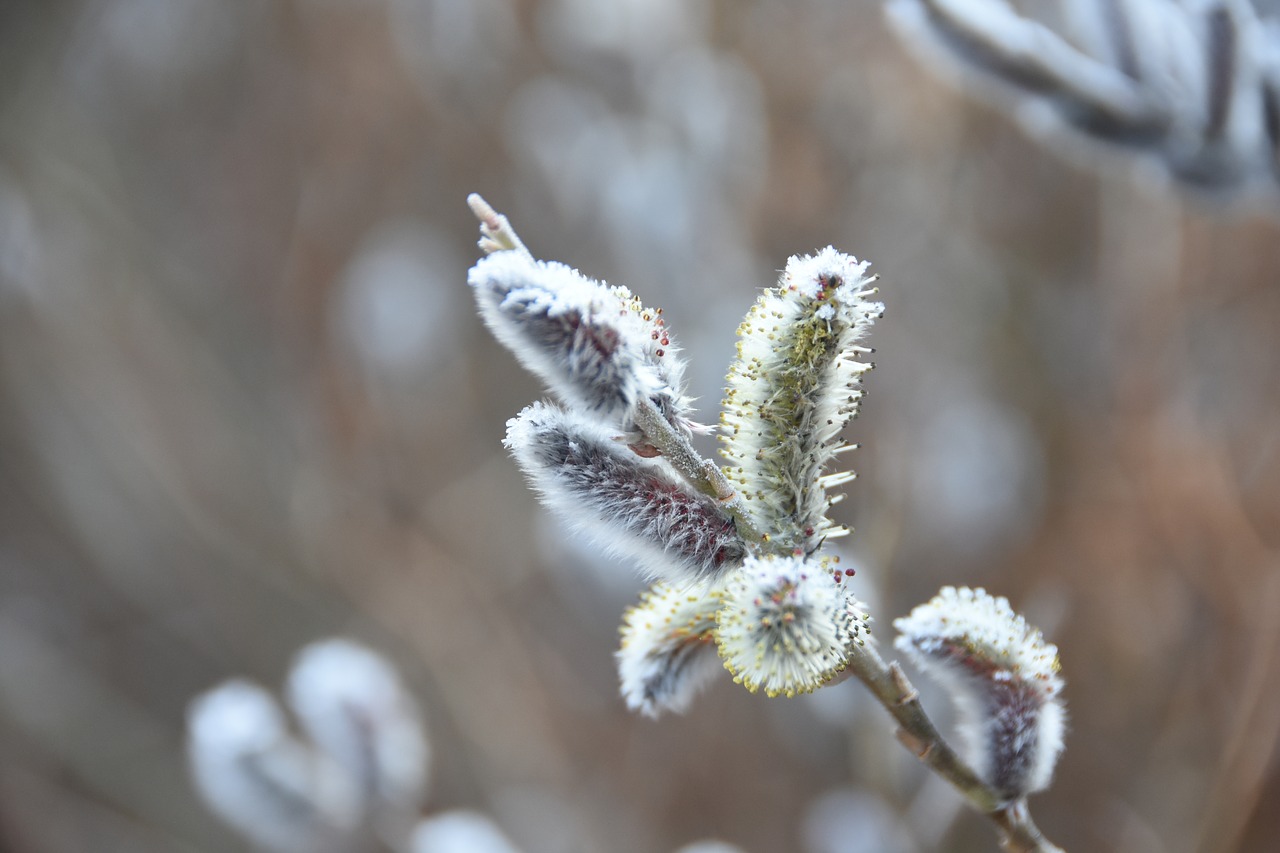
(353, 706)
(668, 651)
(635, 508)
(460, 831)
(787, 625)
(1003, 678)
(792, 389)
(597, 347)
(267, 785)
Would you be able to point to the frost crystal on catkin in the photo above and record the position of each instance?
(634, 507)
(668, 650)
(598, 348)
(787, 625)
(792, 388)
(1004, 679)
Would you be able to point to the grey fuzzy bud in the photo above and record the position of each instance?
(634, 507)
(596, 347)
(353, 706)
(1002, 676)
(265, 783)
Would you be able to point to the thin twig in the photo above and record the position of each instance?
(703, 474)
(889, 684)
(496, 233)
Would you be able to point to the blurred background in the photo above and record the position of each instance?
(245, 403)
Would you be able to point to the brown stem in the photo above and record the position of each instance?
(1018, 833)
(703, 474)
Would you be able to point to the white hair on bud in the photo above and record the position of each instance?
(353, 706)
(787, 625)
(792, 389)
(459, 831)
(276, 791)
(668, 651)
(597, 347)
(634, 507)
(1003, 678)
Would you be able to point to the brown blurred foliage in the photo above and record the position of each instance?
(245, 403)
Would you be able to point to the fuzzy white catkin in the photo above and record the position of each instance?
(710, 845)
(1004, 679)
(636, 508)
(597, 347)
(668, 651)
(277, 792)
(787, 624)
(352, 704)
(460, 831)
(791, 390)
